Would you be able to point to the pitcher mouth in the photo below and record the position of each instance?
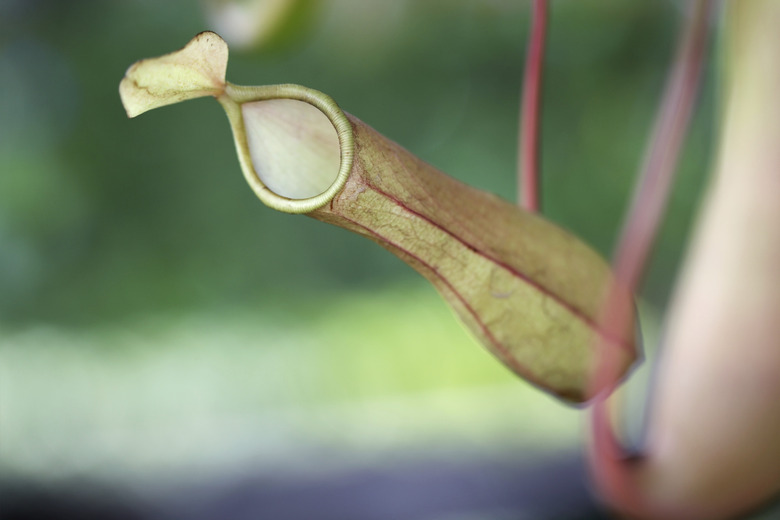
(299, 180)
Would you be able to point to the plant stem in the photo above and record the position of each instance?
(528, 161)
(658, 172)
(608, 458)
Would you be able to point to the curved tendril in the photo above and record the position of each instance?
(611, 463)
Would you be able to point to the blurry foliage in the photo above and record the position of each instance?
(102, 217)
(265, 26)
(280, 387)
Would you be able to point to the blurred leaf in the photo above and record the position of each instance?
(263, 25)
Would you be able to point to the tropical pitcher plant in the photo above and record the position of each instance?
(539, 299)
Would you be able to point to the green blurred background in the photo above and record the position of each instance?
(157, 321)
